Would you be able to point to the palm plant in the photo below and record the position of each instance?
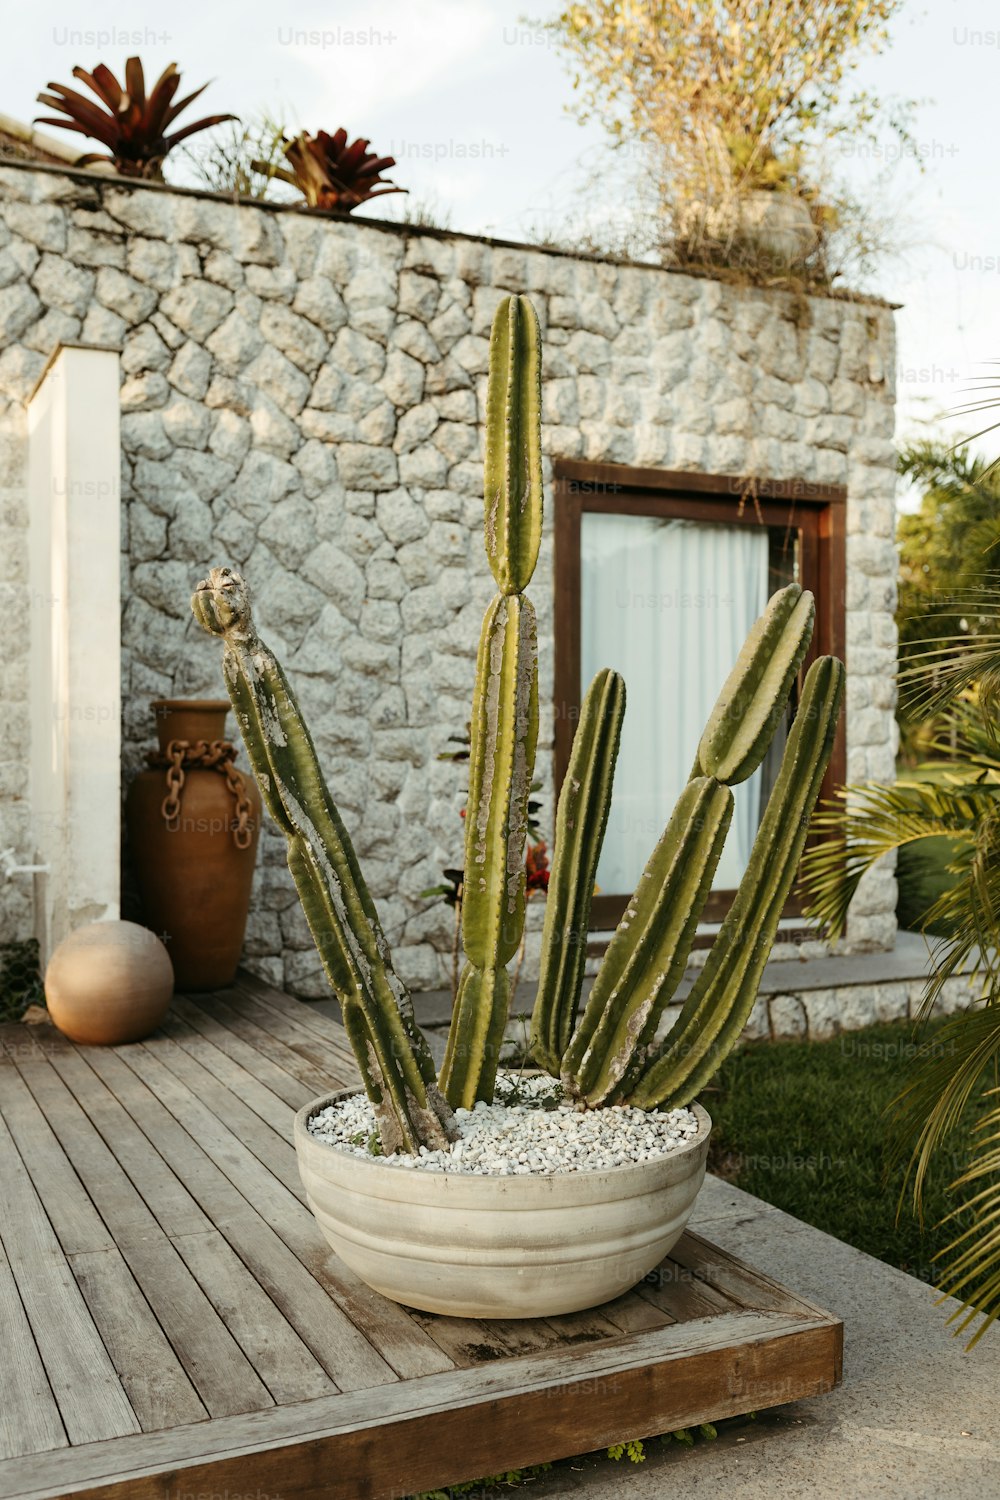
(960, 1069)
(332, 174)
(131, 125)
(950, 550)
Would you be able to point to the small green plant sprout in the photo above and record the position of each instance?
(633, 1451)
(609, 1054)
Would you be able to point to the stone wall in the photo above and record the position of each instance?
(302, 397)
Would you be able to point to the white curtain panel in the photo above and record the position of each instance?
(667, 604)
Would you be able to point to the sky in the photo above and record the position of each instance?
(471, 98)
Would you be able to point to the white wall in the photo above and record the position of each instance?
(75, 648)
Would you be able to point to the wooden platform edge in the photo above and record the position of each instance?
(442, 1429)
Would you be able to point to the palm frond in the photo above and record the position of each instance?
(947, 1072)
(971, 1263)
(867, 822)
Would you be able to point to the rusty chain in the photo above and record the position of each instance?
(204, 755)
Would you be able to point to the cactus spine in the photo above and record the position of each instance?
(393, 1055)
(504, 710)
(581, 819)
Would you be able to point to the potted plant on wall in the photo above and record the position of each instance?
(480, 1195)
(760, 208)
(735, 113)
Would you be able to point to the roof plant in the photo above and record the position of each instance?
(715, 100)
(331, 173)
(610, 1053)
(134, 127)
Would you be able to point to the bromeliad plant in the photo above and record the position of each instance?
(332, 174)
(611, 1054)
(131, 125)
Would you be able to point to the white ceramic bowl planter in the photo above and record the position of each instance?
(499, 1247)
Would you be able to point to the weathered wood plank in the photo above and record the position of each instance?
(276, 1237)
(272, 1148)
(282, 1084)
(158, 1389)
(426, 1433)
(304, 1304)
(165, 1195)
(468, 1342)
(298, 1010)
(270, 1107)
(317, 1080)
(633, 1314)
(330, 1052)
(736, 1281)
(78, 1225)
(29, 1416)
(677, 1291)
(276, 1352)
(216, 1365)
(92, 1403)
(377, 1323)
(585, 1327)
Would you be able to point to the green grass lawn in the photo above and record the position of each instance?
(802, 1125)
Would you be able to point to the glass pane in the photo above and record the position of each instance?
(667, 603)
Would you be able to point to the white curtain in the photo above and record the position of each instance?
(667, 604)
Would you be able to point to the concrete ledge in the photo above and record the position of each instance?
(812, 997)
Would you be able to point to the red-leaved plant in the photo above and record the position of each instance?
(330, 173)
(133, 127)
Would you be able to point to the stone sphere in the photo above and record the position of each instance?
(109, 982)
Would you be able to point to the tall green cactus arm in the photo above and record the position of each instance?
(393, 1056)
(512, 474)
(504, 709)
(722, 997)
(749, 708)
(475, 1035)
(647, 956)
(501, 761)
(581, 819)
(504, 731)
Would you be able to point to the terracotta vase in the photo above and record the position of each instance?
(194, 855)
(107, 983)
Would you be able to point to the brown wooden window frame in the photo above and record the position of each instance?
(815, 512)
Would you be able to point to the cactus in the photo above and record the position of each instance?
(504, 710)
(581, 818)
(647, 956)
(392, 1053)
(753, 698)
(722, 997)
(609, 1056)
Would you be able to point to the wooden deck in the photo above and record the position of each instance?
(173, 1323)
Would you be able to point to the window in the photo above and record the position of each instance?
(660, 576)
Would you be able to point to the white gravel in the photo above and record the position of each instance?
(527, 1129)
